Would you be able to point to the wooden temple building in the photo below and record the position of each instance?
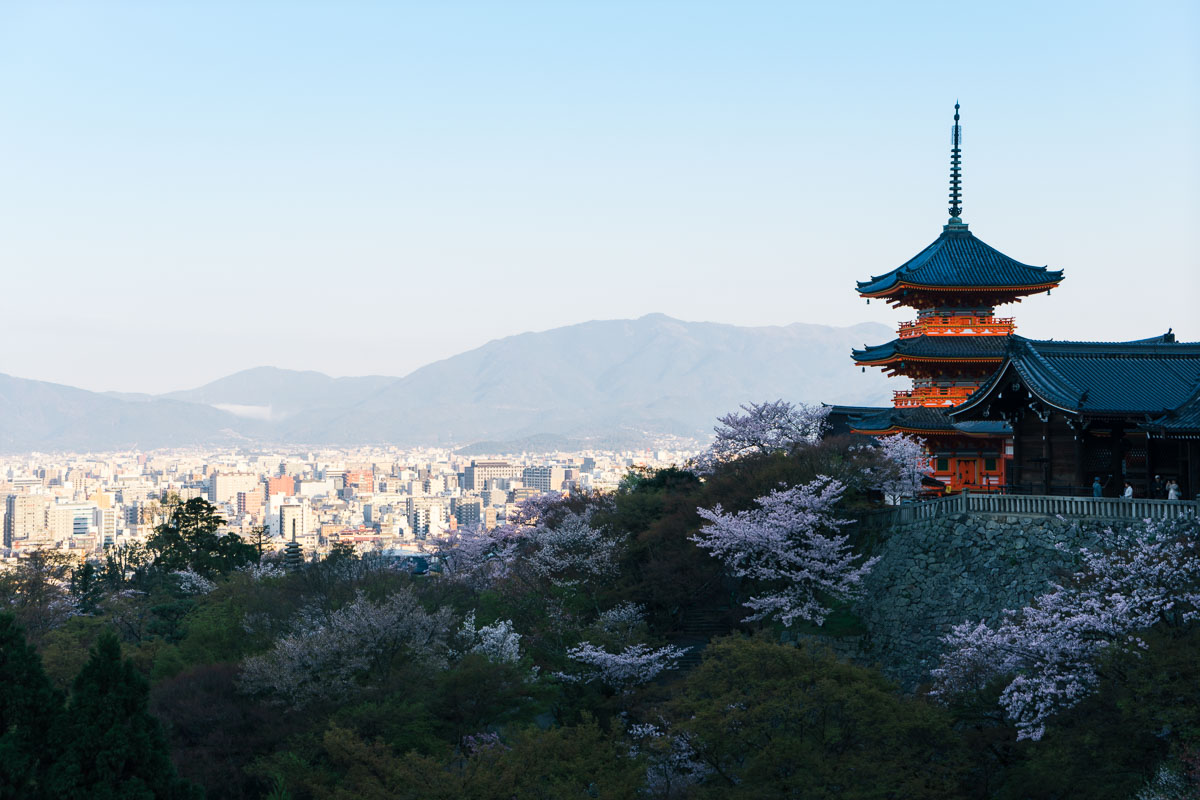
(966, 363)
(1082, 411)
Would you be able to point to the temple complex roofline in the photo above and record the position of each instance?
(1147, 379)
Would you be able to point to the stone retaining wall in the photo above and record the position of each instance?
(934, 574)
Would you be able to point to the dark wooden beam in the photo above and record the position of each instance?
(1080, 449)
(1048, 455)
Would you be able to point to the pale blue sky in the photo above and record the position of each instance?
(189, 189)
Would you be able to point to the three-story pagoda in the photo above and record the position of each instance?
(953, 346)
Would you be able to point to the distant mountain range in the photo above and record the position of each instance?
(616, 381)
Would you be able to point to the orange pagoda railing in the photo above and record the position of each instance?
(931, 397)
(958, 326)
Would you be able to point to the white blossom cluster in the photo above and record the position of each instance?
(262, 570)
(908, 464)
(478, 559)
(1048, 650)
(537, 509)
(633, 666)
(791, 539)
(763, 428)
(672, 761)
(325, 655)
(497, 642)
(572, 551)
(622, 621)
(192, 582)
(1167, 784)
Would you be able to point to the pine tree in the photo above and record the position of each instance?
(29, 708)
(191, 539)
(108, 745)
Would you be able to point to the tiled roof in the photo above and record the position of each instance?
(1149, 377)
(840, 418)
(984, 428)
(918, 347)
(1182, 421)
(864, 419)
(926, 420)
(958, 258)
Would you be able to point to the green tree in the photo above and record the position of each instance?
(189, 539)
(108, 746)
(770, 720)
(86, 587)
(558, 764)
(64, 650)
(478, 694)
(123, 563)
(258, 539)
(29, 709)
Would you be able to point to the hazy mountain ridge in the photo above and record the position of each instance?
(614, 380)
(36, 415)
(285, 392)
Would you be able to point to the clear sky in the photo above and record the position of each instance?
(192, 188)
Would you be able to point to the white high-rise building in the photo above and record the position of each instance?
(544, 479)
(224, 486)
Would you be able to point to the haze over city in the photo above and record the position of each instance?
(194, 189)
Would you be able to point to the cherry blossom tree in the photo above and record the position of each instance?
(1049, 651)
(632, 666)
(769, 427)
(620, 657)
(907, 464)
(1167, 784)
(476, 558)
(497, 642)
(192, 582)
(673, 764)
(790, 539)
(265, 569)
(571, 553)
(541, 508)
(622, 623)
(326, 656)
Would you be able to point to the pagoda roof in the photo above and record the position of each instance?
(1144, 378)
(959, 260)
(923, 348)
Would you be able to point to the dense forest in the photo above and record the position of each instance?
(667, 640)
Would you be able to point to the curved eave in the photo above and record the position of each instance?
(988, 389)
(905, 429)
(895, 288)
(928, 360)
(1027, 381)
(979, 434)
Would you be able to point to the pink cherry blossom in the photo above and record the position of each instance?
(790, 539)
(1049, 650)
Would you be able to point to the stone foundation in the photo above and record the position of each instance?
(934, 574)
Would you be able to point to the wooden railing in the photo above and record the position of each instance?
(929, 396)
(957, 325)
(1040, 505)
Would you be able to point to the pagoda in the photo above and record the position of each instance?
(953, 346)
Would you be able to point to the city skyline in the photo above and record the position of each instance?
(364, 194)
(373, 498)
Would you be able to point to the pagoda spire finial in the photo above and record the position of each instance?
(956, 170)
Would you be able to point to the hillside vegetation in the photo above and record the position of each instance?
(601, 646)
